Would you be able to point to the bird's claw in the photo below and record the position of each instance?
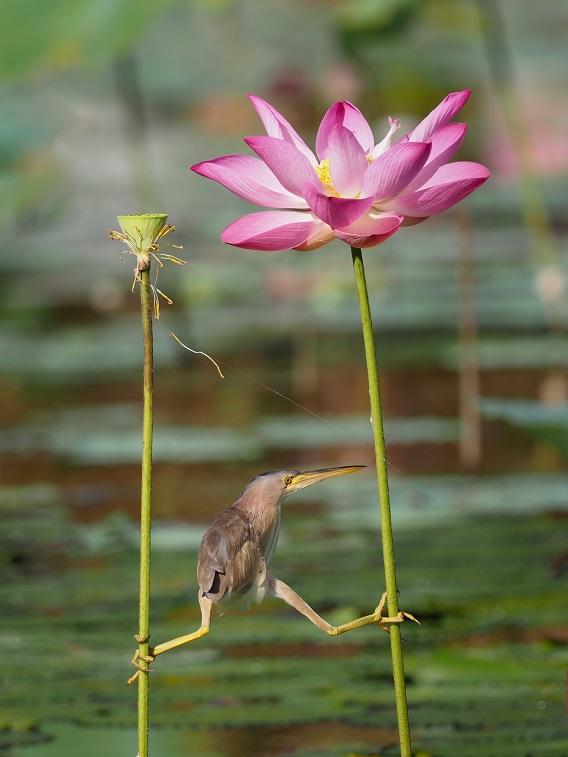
(137, 656)
(385, 622)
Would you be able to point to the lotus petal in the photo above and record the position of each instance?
(271, 230)
(337, 212)
(373, 229)
(249, 178)
(392, 171)
(444, 112)
(291, 167)
(449, 185)
(277, 126)
(347, 161)
(347, 115)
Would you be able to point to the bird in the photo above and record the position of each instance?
(235, 555)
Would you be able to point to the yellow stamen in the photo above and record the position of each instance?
(324, 176)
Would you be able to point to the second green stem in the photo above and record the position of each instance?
(384, 498)
(145, 510)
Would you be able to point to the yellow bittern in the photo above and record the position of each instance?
(236, 551)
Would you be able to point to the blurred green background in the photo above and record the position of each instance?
(105, 104)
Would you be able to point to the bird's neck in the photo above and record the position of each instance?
(262, 518)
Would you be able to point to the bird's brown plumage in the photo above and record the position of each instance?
(229, 562)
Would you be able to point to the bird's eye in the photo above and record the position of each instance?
(288, 480)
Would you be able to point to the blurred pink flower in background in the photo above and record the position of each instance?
(354, 190)
(541, 128)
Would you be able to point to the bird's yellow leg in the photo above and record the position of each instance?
(173, 643)
(203, 630)
(377, 618)
(283, 591)
(134, 661)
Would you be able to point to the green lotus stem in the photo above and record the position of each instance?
(141, 235)
(384, 498)
(145, 509)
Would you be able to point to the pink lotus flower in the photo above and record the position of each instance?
(354, 190)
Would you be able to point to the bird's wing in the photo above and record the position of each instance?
(229, 559)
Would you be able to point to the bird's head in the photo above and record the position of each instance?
(272, 487)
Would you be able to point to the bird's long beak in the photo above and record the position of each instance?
(309, 477)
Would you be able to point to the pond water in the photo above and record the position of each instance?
(481, 562)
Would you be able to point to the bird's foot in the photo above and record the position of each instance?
(377, 618)
(384, 621)
(137, 656)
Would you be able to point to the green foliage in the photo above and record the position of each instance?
(71, 34)
(364, 22)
